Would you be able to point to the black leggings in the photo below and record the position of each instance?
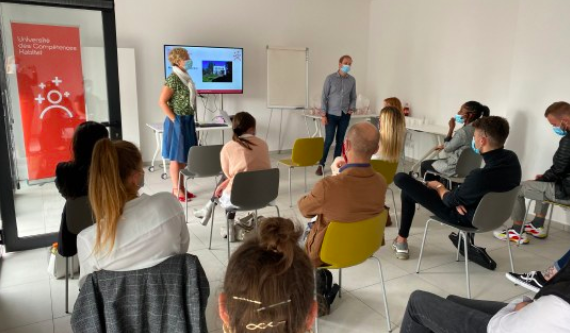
(415, 192)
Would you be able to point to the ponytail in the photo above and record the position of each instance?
(477, 109)
(111, 166)
(242, 123)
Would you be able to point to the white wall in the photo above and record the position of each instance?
(329, 28)
(511, 55)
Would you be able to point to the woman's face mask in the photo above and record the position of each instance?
(459, 119)
(188, 64)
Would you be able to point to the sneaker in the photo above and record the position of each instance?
(319, 171)
(401, 250)
(539, 232)
(533, 280)
(513, 236)
(224, 232)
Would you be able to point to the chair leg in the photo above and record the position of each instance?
(67, 285)
(212, 226)
(549, 220)
(340, 283)
(387, 312)
(465, 245)
(459, 240)
(511, 256)
(185, 201)
(290, 194)
(278, 213)
(228, 233)
(305, 179)
(422, 248)
(395, 208)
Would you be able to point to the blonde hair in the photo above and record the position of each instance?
(394, 102)
(112, 165)
(392, 133)
(177, 54)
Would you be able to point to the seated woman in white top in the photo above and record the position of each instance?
(246, 152)
(131, 232)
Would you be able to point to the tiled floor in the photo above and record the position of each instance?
(31, 301)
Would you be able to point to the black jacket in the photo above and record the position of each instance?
(502, 172)
(559, 172)
(71, 181)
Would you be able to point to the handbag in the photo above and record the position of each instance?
(477, 254)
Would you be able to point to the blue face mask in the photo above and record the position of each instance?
(559, 131)
(459, 119)
(345, 68)
(188, 65)
(473, 147)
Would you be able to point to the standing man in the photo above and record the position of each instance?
(339, 102)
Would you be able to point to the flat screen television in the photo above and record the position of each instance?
(215, 70)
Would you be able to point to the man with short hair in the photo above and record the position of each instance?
(356, 193)
(552, 185)
(338, 103)
(502, 172)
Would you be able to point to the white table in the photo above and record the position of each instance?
(158, 129)
(440, 132)
(318, 132)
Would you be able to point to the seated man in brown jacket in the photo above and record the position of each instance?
(355, 194)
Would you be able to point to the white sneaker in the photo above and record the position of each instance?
(205, 213)
(224, 232)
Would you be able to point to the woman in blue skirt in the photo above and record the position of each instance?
(178, 101)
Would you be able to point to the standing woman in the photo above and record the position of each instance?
(178, 102)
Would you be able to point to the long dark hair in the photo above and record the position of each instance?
(84, 139)
(242, 123)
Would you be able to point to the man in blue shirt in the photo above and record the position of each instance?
(338, 103)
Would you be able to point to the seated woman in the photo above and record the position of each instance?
(393, 102)
(131, 232)
(549, 311)
(455, 144)
(246, 152)
(273, 291)
(392, 137)
(71, 177)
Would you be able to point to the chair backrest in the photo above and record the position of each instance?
(348, 244)
(494, 209)
(386, 169)
(468, 161)
(204, 161)
(78, 214)
(255, 189)
(307, 151)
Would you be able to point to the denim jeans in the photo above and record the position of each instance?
(562, 261)
(427, 313)
(337, 124)
(415, 192)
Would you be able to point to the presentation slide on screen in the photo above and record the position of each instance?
(215, 70)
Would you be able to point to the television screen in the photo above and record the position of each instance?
(215, 70)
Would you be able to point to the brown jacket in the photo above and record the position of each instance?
(356, 194)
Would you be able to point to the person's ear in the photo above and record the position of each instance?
(312, 315)
(223, 310)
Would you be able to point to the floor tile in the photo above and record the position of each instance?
(25, 304)
(23, 267)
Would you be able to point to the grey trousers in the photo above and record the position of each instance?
(538, 191)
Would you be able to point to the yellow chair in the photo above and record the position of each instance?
(350, 244)
(388, 171)
(306, 152)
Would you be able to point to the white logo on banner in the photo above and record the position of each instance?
(54, 98)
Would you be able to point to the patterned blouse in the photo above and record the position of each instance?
(180, 100)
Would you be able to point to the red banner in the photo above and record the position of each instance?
(50, 87)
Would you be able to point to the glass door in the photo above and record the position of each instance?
(60, 69)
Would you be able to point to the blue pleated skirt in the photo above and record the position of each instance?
(178, 137)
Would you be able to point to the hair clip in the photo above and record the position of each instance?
(245, 300)
(273, 305)
(263, 326)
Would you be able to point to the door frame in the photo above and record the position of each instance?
(9, 234)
